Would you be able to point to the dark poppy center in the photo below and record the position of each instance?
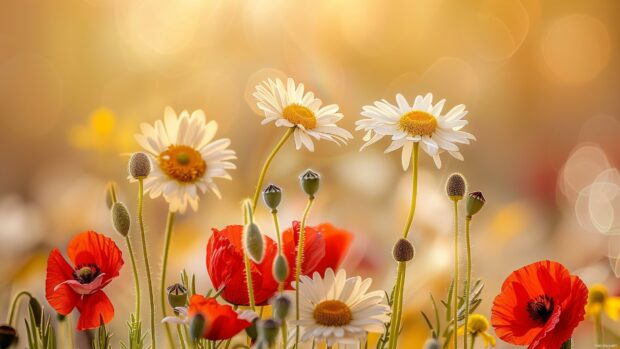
(540, 308)
(85, 274)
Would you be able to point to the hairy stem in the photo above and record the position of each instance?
(164, 268)
(145, 255)
(299, 261)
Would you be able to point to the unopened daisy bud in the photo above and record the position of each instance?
(268, 330)
(139, 166)
(197, 327)
(455, 186)
(8, 336)
(310, 182)
(272, 195)
(110, 196)
(36, 309)
(281, 305)
(253, 242)
(475, 201)
(403, 251)
(120, 218)
(280, 268)
(177, 295)
(432, 343)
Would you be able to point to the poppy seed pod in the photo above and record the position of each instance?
(280, 268)
(177, 295)
(197, 327)
(253, 242)
(139, 166)
(310, 182)
(37, 310)
(475, 201)
(456, 186)
(120, 218)
(8, 336)
(403, 251)
(272, 195)
(268, 330)
(432, 343)
(281, 305)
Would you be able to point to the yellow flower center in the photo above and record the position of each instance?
(597, 294)
(332, 313)
(477, 324)
(182, 163)
(300, 115)
(418, 123)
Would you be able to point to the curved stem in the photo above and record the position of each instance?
(248, 281)
(468, 281)
(396, 304)
(473, 341)
(15, 303)
(164, 266)
(276, 225)
(455, 287)
(136, 279)
(180, 333)
(414, 188)
(145, 255)
(299, 261)
(263, 172)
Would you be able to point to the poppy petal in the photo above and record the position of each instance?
(337, 243)
(314, 250)
(62, 298)
(93, 248)
(223, 321)
(94, 308)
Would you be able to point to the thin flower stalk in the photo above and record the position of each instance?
(164, 268)
(14, 305)
(299, 261)
(456, 271)
(468, 280)
(147, 265)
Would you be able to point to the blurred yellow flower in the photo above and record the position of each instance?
(478, 325)
(104, 132)
(599, 301)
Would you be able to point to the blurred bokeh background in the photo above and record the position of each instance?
(540, 79)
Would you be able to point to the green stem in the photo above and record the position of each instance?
(145, 255)
(180, 333)
(249, 283)
(456, 271)
(473, 341)
(136, 279)
(69, 329)
(400, 277)
(263, 172)
(598, 328)
(276, 225)
(468, 280)
(299, 261)
(568, 344)
(15, 303)
(164, 268)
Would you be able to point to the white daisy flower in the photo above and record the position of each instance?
(421, 123)
(184, 157)
(290, 107)
(337, 309)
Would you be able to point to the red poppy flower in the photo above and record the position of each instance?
(325, 247)
(540, 306)
(222, 322)
(96, 261)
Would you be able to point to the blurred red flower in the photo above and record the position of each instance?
(540, 305)
(96, 261)
(222, 322)
(325, 247)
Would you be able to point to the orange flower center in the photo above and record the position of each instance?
(418, 123)
(182, 163)
(540, 308)
(332, 313)
(86, 273)
(300, 115)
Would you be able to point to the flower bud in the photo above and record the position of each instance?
(177, 295)
(403, 251)
(110, 195)
(455, 186)
(268, 330)
(253, 242)
(272, 195)
(281, 305)
(197, 327)
(475, 201)
(432, 343)
(139, 166)
(8, 336)
(280, 268)
(120, 218)
(37, 311)
(251, 330)
(310, 182)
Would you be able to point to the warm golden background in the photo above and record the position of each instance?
(540, 79)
